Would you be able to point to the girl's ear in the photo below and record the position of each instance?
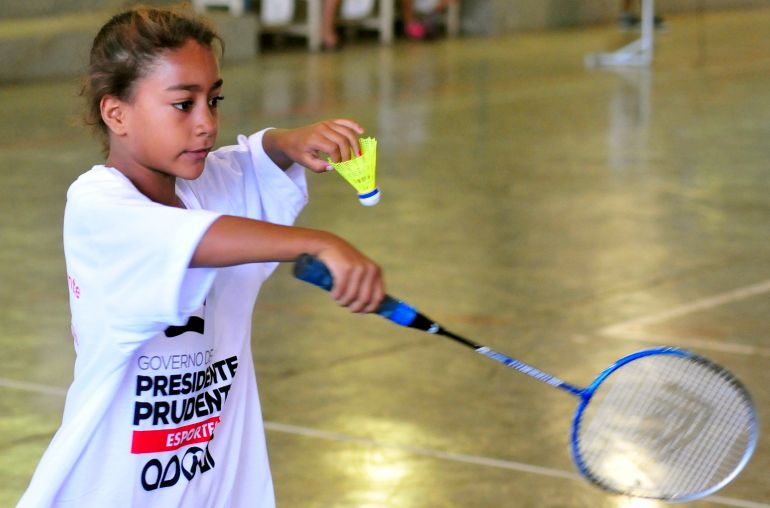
(113, 114)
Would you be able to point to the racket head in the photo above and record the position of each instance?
(664, 424)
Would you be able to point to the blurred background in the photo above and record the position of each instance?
(558, 182)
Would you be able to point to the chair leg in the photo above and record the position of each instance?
(453, 18)
(386, 21)
(237, 7)
(314, 24)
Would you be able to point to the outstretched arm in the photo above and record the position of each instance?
(358, 283)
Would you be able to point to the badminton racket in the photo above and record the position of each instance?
(662, 423)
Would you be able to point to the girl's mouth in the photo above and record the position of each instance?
(198, 154)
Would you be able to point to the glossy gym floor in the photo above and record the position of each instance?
(562, 215)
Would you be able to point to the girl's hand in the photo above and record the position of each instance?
(358, 282)
(308, 145)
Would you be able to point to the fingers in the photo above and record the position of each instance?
(310, 145)
(351, 131)
(363, 290)
(337, 138)
(350, 124)
(358, 285)
(313, 162)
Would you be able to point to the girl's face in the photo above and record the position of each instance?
(172, 121)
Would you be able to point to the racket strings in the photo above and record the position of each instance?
(726, 448)
(714, 455)
(665, 426)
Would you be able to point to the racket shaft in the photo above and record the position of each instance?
(529, 370)
(314, 271)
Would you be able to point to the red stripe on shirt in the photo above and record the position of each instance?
(153, 441)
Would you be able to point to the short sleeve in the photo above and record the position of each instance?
(130, 255)
(288, 189)
(242, 180)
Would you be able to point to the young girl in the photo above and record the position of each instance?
(166, 247)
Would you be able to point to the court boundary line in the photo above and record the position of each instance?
(297, 430)
(32, 387)
(470, 459)
(634, 329)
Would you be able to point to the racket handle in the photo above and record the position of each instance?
(311, 269)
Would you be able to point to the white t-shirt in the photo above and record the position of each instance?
(163, 410)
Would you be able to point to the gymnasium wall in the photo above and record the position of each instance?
(43, 39)
(489, 17)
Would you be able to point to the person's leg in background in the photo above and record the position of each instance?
(329, 38)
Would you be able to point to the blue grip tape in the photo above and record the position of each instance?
(397, 311)
(312, 270)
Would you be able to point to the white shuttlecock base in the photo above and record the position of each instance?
(371, 198)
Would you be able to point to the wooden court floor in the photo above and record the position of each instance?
(561, 215)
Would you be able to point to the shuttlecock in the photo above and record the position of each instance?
(360, 172)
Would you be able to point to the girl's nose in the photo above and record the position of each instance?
(206, 122)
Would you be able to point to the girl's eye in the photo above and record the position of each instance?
(214, 101)
(183, 106)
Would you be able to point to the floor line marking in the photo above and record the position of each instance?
(633, 329)
(424, 452)
(740, 503)
(695, 342)
(32, 387)
(469, 459)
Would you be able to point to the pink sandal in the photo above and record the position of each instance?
(415, 30)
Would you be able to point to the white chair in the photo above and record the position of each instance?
(364, 13)
(281, 16)
(284, 16)
(236, 7)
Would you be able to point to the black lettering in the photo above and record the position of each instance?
(200, 380)
(209, 461)
(220, 369)
(194, 324)
(161, 382)
(161, 412)
(196, 459)
(232, 364)
(200, 405)
(214, 400)
(143, 383)
(191, 460)
(187, 383)
(142, 411)
(178, 416)
(189, 411)
(174, 382)
(168, 482)
(158, 467)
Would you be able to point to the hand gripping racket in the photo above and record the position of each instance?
(661, 423)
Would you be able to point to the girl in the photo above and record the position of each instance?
(166, 246)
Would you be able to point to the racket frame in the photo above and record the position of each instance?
(587, 394)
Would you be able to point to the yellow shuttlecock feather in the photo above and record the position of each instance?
(360, 172)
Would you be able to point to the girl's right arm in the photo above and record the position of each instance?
(231, 240)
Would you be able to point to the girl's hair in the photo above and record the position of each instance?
(126, 47)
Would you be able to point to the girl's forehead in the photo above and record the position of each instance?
(191, 64)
